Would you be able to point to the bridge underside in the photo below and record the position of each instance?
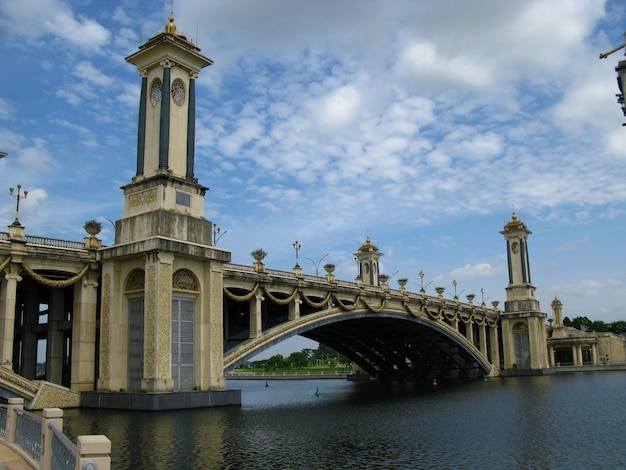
(395, 349)
(386, 346)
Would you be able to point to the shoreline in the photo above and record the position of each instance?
(285, 376)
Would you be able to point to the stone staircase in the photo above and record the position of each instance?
(37, 394)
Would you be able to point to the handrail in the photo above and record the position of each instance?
(64, 451)
(47, 241)
(28, 433)
(54, 242)
(41, 442)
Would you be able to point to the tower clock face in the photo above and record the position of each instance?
(178, 92)
(155, 92)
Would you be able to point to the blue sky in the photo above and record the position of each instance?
(420, 124)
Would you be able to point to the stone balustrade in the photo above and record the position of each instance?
(39, 439)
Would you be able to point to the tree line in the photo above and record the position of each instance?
(323, 357)
(585, 324)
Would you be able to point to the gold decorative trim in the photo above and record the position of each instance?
(136, 280)
(241, 298)
(312, 304)
(345, 307)
(278, 301)
(184, 279)
(57, 284)
(139, 199)
(105, 331)
(5, 263)
(375, 309)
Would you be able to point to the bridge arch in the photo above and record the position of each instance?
(386, 345)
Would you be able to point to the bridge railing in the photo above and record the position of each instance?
(39, 439)
(311, 280)
(48, 242)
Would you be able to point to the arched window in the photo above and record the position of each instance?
(134, 289)
(521, 345)
(183, 319)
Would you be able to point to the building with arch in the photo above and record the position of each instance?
(142, 323)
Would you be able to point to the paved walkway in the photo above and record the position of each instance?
(11, 460)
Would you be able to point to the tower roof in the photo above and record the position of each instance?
(169, 44)
(368, 246)
(515, 225)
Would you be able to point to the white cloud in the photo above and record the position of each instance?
(86, 71)
(472, 270)
(337, 110)
(421, 66)
(35, 18)
(36, 158)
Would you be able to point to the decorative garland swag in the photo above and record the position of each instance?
(53, 283)
(359, 300)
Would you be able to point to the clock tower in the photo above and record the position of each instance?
(164, 197)
(161, 326)
(523, 328)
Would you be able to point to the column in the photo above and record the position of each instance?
(113, 343)
(256, 320)
(84, 334)
(54, 359)
(164, 124)
(157, 369)
(29, 329)
(551, 354)
(294, 308)
(8, 299)
(191, 124)
(469, 332)
(211, 350)
(141, 129)
(494, 346)
(482, 338)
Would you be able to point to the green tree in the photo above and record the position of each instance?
(583, 322)
(275, 362)
(308, 352)
(599, 326)
(618, 327)
(324, 352)
(297, 359)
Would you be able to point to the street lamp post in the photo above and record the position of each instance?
(19, 195)
(216, 234)
(422, 286)
(317, 263)
(297, 246)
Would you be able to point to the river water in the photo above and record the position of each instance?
(547, 422)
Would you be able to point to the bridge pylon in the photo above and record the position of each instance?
(522, 322)
(161, 299)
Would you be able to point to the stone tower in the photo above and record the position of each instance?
(368, 257)
(162, 280)
(523, 324)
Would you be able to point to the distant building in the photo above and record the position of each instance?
(569, 346)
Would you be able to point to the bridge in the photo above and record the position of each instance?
(387, 333)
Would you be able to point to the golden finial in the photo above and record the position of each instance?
(170, 27)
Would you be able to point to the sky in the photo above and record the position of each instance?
(422, 125)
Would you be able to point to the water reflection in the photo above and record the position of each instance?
(533, 422)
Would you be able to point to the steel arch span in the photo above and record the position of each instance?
(386, 345)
